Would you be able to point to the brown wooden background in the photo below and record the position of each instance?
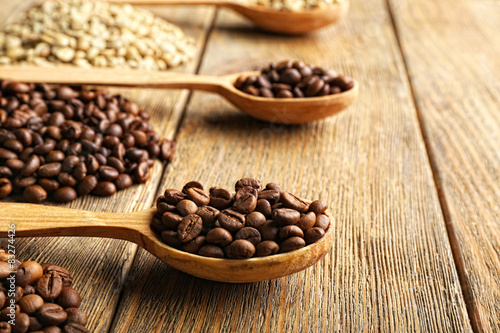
(411, 174)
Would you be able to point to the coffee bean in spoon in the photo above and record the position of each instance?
(254, 222)
(294, 79)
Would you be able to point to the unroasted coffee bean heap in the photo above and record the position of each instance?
(40, 299)
(68, 142)
(294, 79)
(254, 222)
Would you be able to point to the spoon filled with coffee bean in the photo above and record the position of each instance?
(295, 20)
(254, 234)
(288, 92)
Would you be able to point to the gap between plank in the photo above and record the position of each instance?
(186, 101)
(457, 258)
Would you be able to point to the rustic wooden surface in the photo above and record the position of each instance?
(453, 64)
(410, 173)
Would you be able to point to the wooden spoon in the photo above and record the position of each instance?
(278, 110)
(41, 221)
(285, 22)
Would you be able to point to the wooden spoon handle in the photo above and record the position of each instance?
(113, 77)
(30, 220)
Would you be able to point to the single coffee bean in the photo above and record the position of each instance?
(198, 196)
(80, 171)
(6, 311)
(74, 328)
(263, 206)
(240, 249)
(29, 290)
(170, 238)
(306, 221)
(322, 221)
(245, 203)
(266, 248)
(87, 185)
(255, 219)
(244, 182)
(142, 173)
(2, 299)
(195, 245)
(5, 172)
(270, 195)
(286, 216)
(21, 323)
(270, 231)
(191, 184)
(123, 181)
(171, 220)
(65, 179)
(231, 220)
(250, 234)
(76, 316)
(31, 166)
(28, 273)
(34, 194)
(292, 243)
(211, 250)
(186, 207)
(49, 286)
(116, 163)
(108, 173)
(5, 187)
(318, 207)
(104, 189)
(291, 231)
(164, 207)
(6, 154)
(30, 303)
(219, 236)
(61, 271)
(51, 314)
(220, 198)
(35, 325)
(189, 228)
(313, 235)
(208, 215)
(5, 270)
(69, 298)
(173, 197)
(65, 194)
(291, 201)
(5, 327)
(290, 76)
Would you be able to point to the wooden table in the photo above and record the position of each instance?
(411, 173)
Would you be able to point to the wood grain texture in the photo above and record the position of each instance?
(101, 266)
(452, 50)
(391, 267)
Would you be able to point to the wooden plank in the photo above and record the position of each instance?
(452, 52)
(101, 266)
(391, 267)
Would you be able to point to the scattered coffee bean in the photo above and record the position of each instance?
(43, 302)
(58, 137)
(294, 79)
(255, 221)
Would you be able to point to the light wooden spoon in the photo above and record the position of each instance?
(42, 221)
(278, 110)
(285, 22)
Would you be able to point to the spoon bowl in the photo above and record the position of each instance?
(45, 221)
(278, 110)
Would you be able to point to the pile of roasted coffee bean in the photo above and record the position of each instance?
(71, 142)
(254, 222)
(38, 297)
(294, 79)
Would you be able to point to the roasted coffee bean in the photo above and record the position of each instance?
(34, 194)
(65, 194)
(220, 198)
(142, 172)
(49, 170)
(51, 314)
(198, 196)
(31, 303)
(5, 187)
(167, 149)
(74, 328)
(291, 231)
(76, 316)
(211, 250)
(255, 219)
(123, 181)
(266, 248)
(240, 249)
(104, 189)
(291, 201)
(286, 216)
(23, 182)
(5, 270)
(29, 289)
(186, 207)
(189, 228)
(16, 165)
(69, 163)
(28, 273)
(231, 220)
(2, 299)
(69, 298)
(6, 154)
(318, 207)
(173, 197)
(61, 271)
(245, 204)
(35, 325)
(5, 172)
(49, 286)
(270, 195)
(313, 235)
(170, 238)
(244, 182)
(164, 207)
(21, 323)
(291, 244)
(195, 245)
(108, 173)
(219, 236)
(270, 231)
(208, 215)
(306, 221)
(171, 220)
(250, 234)
(5, 327)
(322, 221)
(13, 145)
(263, 206)
(31, 166)
(87, 185)
(192, 184)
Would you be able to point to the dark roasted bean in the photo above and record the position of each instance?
(65, 179)
(49, 286)
(198, 196)
(322, 221)
(194, 245)
(65, 194)
(291, 201)
(313, 235)
(219, 236)
(5, 187)
(244, 182)
(208, 215)
(173, 197)
(231, 220)
(211, 250)
(270, 231)
(266, 248)
(104, 189)
(123, 181)
(189, 228)
(34, 194)
(186, 207)
(76, 316)
(286, 216)
(240, 249)
(291, 244)
(51, 314)
(170, 238)
(306, 221)
(87, 185)
(49, 170)
(250, 234)
(191, 184)
(263, 206)
(318, 207)
(291, 231)
(220, 198)
(48, 184)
